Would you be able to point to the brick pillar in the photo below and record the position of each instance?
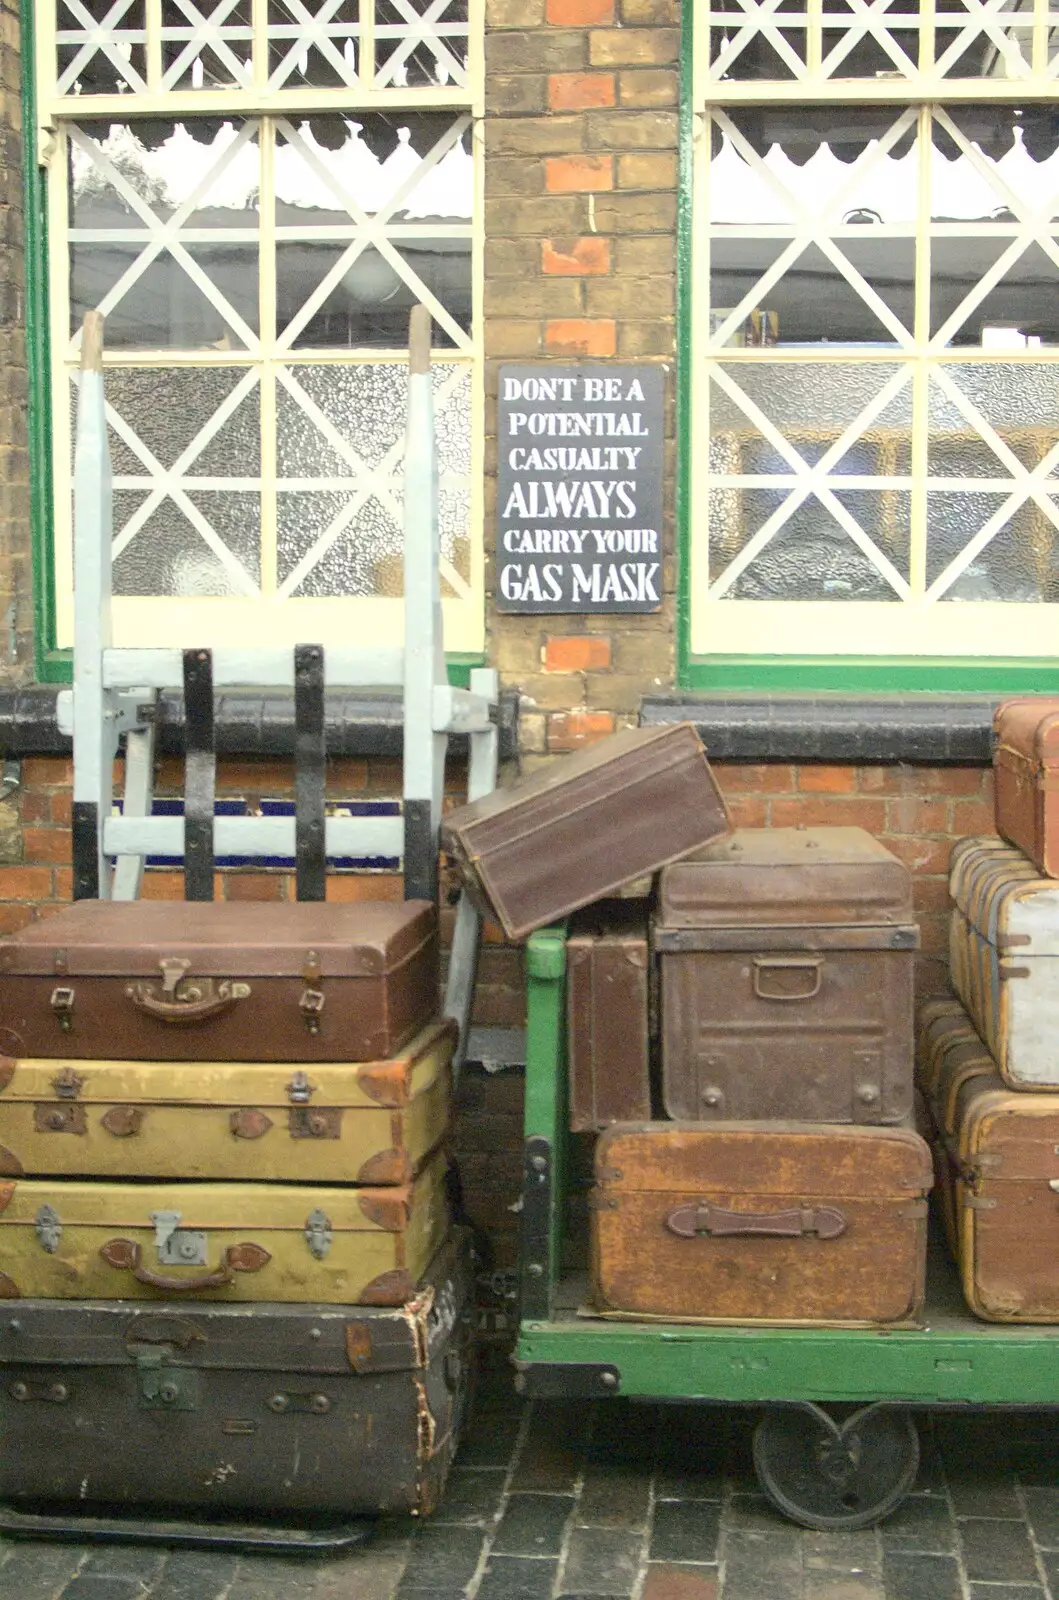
(580, 264)
(16, 587)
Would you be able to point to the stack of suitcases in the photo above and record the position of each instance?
(224, 1225)
(989, 1067)
(740, 1038)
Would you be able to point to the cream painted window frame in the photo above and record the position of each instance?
(914, 624)
(262, 99)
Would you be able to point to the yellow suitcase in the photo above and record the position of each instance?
(72, 1240)
(1000, 1160)
(949, 1054)
(368, 1123)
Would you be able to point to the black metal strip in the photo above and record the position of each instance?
(420, 852)
(310, 772)
(200, 775)
(535, 1293)
(314, 1537)
(85, 831)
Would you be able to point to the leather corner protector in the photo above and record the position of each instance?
(388, 1289)
(6, 1191)
(386, 1166)
(7, 1071)
(387, 1211)
(358, 1345)
(9, 1289)
(386, 1082)
(10, 1165)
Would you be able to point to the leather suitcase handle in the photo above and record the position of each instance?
(812, 966)
(187, 1012)
(821, 1222)
(127, 1257)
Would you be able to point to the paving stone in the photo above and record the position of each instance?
(753, 1511)
(36, 1571)
(126, 1561)
(997, 1552)
(472, 1494)
(1049, 1561)
(856, 1551)
(532, 1525)
(984, 1494)
(613, 1497)
(923, 1522)
(370, 1572)
(822, 1585)
(195, 1575)
(517, 1578)
(918, 1575)
(273, 1578)
(680, 1483)
(766, 1549)
(1005, 1591)
(751, 1584)
(100, 1586)
(489, 1444)
(671, 1581)
(443, 1557)
(1042, 1511)
(685, 1530)
(603, 1561)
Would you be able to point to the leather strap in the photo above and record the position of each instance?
(126, 1256)
(820, 1222)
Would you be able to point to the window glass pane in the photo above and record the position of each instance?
(420, 43)
(93, 59)
(163, 236)
(314, 45)
(207, 48)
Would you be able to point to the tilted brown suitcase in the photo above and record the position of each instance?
(282, 1408)
(608, 1044)
(145, 980)
(999, 1167)
(580, 828)
(743, 1223)
(786, 959)
(1026, 777)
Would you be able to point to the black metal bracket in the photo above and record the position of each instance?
(85, 841)
(420, 852)
(84, 1528)
(535, 1288)
(310, 771)
(200, 775)
(566, 1380)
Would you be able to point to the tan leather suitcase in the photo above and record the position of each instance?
(1026, 778)
(69, 1239)
(371, 1122)
(608, 1030)
(999, 1169)
(740, 1222)
(145, 980)
(583, 826)
(787, 966)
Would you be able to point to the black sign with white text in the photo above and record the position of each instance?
(579, 488)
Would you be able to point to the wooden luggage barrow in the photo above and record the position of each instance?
(824, 1470)
(116, 694)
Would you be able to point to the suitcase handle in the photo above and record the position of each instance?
(821, 1222)
(127, 1257)
(812, 966)
(203, 1002)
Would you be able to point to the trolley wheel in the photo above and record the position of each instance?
(825, 1473)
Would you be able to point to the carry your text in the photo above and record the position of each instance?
(579, 524)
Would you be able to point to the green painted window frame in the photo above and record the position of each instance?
(807, 674)
(51, 664)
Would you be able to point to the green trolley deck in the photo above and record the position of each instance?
(837, 1446)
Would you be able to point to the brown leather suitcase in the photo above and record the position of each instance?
(608, 1043)
(742, 1223)
(580, 828)
(158, 980)
(786, 959)
(1026, 777)
(290, 1409)
(998, 1166)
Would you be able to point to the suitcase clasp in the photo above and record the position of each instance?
(177, 1246)
(311, 1005)
(299, 1089)
(162, 1387)
(318, 1234)
(62, 1003)
(48, 1228)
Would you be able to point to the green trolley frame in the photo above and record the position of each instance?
(837, 1445)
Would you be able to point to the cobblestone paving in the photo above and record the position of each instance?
(635, 1503)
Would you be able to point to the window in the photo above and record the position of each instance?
(876, 329)
(255, 195)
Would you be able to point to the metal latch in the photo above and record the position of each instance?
(62, 1003)
(67, 1083)
(299, 1089)
(311, 1005)
(49, 1229)
(162, 1387)
(173, 969)
(177, 1246)
(318, 1234)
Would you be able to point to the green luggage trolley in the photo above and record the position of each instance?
(837, 1445)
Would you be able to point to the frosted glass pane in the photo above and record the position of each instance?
(167, 406)
(168, 555)
(811, 404)
(367, 404)
(358, 562)
(1019, 564)
(811, 558)
(1020, 401)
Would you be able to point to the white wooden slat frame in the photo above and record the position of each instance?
(913, 623)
